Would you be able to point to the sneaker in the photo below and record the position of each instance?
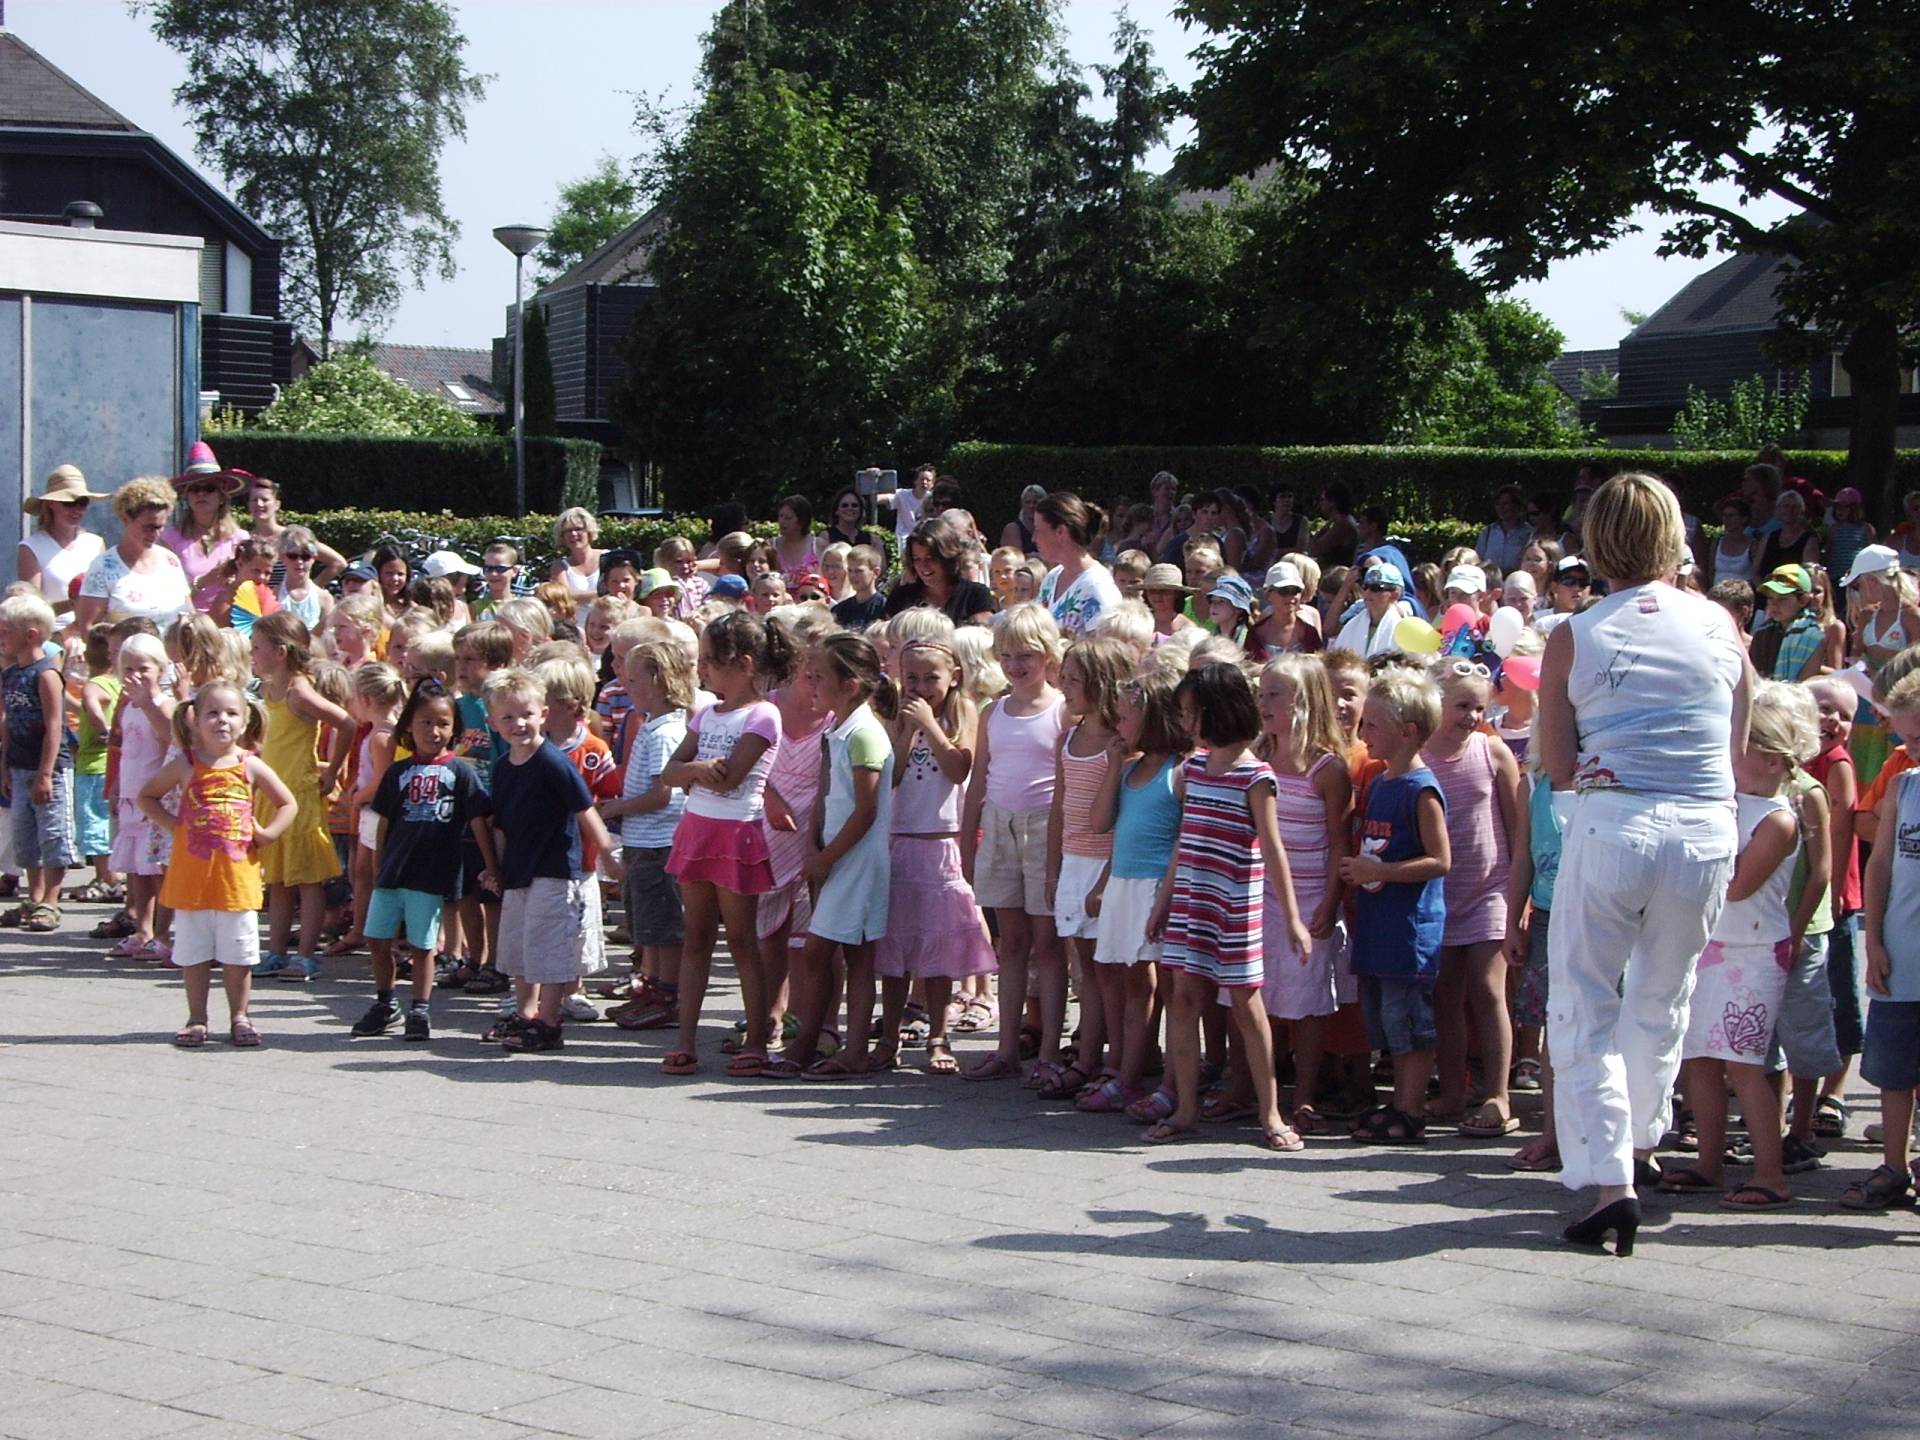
(444, 966)
(380, 1015)
(578, 1007)
(419, 1023)
(1798, 1156)
(271, 963)
(508, 1024)
(508, 1005)
(300, 969)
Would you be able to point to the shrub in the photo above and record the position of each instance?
(353, 532)
(472, 476)
(350, 395)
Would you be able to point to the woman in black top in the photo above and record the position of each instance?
(1018, 534)
(933, 557)
(844, 518)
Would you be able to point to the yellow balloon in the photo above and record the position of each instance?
(1416, 637)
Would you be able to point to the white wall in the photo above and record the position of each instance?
(105, 264)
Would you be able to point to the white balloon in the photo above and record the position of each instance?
(1504, 629)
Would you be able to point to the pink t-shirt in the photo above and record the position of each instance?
(1020, 756)
(718, 732)
(202, 566)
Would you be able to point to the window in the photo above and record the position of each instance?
(460, 393)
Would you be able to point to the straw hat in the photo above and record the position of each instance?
(64, 485)
(1165, 577)
(201, 465)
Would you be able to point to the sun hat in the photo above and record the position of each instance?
(658, 578)
(1235, 591)
(442, 563)
(1872, 560)
(1468, 579)
(201, 465)
(1165, 577)
(1285, 575)
(1789, 580)
(65, 485)
(1687, 563)
(729, 587)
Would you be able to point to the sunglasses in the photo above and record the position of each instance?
(496, 569)
(80, 504)
(1464, 668)
(203, 489)
(296, 554)
(1573, 582)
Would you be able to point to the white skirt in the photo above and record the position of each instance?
(1125, 907)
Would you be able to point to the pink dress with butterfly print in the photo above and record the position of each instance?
(1743, 972)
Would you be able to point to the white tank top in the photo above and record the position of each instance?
(1729, 567)
(1761, 918)
(58, 567)
(1652, 689)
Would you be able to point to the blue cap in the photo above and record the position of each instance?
(729, 587)
(358, 572)
(1235, 591)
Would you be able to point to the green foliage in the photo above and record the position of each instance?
(790, 309)
(464, 476)
(350, 395)
(592, 210)
(1599, 384)
(224, 420)
(1753, 414)
(542, 407)
(1493, 389)
(328, 118)
(354, 532)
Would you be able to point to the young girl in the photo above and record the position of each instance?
(1481, 784)
(1209, 914)
(299, 594)
(92, 813)
(1313, 803)
(934, 929)
(378, 695)
(847, 857)
(213, 881)
(1003, 828)
(353, 630)
(1536, 865)
(720, 850)
(1140, 806)
(299, 864)
(1078, 854)
(1743, 973)
(140, 846)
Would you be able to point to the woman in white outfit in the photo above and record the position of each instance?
(1643, 706)
(59, 548)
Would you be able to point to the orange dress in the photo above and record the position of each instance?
(213, 866)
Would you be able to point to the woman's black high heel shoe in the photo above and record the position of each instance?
(1622, 1217)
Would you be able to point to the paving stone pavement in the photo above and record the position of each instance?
(338, 1238)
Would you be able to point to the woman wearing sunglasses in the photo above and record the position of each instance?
(203, 533)
(59, 548)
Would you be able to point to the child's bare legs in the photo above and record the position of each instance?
(1255, 1033)
(142, 892)
(548, 998)
(1545, 1146)
(313, 915)
(525, 998)
(1410, 1073)
(1136, 1022)
(894, 993)
(1093, 1013)
(162, 915)
(1213, 1031)
(1016, 943)
(938, 990)
(1110, 981)
(1309, 1042)
(237, 980)
(702, 901)
(739, 913)
(1896, 1119)
(198, 980)
(812, 984)
(43, 884)
(776, 961)
(385, 972)
(280, 908)
(1470, 1000)
(1760, 1105)
(1047, 977)
(860, 1009)
(1190, 995)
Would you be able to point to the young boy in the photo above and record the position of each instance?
(543, 817)
(37, 747)
(1788, 593)
(479, 649)
(866, 604)
(1400, 901)
(499, 566)
(660, 594)
(1891, 1060)
(570, 686)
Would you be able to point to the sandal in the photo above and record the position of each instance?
(120, 924)
(12, 918)
(1150, 1109)
(1223, 1109)
(533, 1038)
(488, 982)
(243, 1035)
(1067, 1084)
(1769, 1199)
(191, 1037)
(345, 945)
(1165, 1132)
(1286, 1140)
(779, 1067)
(1307, 1121)
(1687, 1181)
(41, 919)
(834, 1067)
(1525, 1075)
(128, 949)
(661, 1013)
(1830, 1118)
(92, 893)
(1040, 1076)
(991, 1068)
(1536, 1154)
(1885, 1188)
(976, 1015)
(1388, 1126)
(746, 1066)
(940, 1059)
(1109, 1097)
(1489, 1122)
(680, 1062)
(633, 987)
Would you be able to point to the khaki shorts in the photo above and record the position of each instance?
(1010, 867)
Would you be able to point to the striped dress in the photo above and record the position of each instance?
(1214, 922)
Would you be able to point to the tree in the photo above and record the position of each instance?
(1524, 131)
(328, 118)
(542, 406)
(349, 395)
(1493, 388)
(1756, 413)
(592, 210)
(790, 314)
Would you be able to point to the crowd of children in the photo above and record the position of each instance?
(1192, 861)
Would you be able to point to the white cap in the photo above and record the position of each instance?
(1468, 579)
(1285, 575)
(444, 562)
(1872, 560)
(1521, 581)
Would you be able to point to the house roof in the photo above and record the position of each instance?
(621, 261)
(1737, 294)
(461, 377)
(1566, 368)
(34, 91)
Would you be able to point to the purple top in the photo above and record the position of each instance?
(202, 565)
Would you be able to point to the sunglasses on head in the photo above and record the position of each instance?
(1464, 668)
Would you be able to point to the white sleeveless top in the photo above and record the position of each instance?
(1761, 918)
(1652, 682)
(1727, 567)
(60, 567)
(1893, 637)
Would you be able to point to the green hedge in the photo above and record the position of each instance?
(354, 532)
(1412, 483)
(466, 476)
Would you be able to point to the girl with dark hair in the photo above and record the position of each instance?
(1078, 590)
(390, 568)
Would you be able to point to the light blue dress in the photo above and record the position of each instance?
(851, 907)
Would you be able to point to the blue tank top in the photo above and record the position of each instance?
(26, 722)
(1397, 925)
(1147, 825)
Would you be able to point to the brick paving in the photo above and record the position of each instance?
(340, 1238)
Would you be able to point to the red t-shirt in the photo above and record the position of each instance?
(593, 758)
(1818, 768)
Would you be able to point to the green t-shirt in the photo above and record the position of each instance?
(1799, 783)
(90, 754)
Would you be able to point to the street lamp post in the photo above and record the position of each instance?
(520, 239)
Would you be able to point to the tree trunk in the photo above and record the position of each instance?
(1872, 358)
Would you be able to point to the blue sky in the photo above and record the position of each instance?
(564, 74)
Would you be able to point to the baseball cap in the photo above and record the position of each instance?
(1789, 580)
(1569, 563)
(657, 578)
(810, 580)
(1380, 576)
(442, 563)
(1469, 579)
(1235, 591)
(1872, 560)
(729, 587)
(1285, 575)
(1687, 563)
(358, 571)
(1849, 495)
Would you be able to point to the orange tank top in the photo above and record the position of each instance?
(1080, 779)
(213, 866)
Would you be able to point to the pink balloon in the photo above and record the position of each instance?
(1457, 618)
(1523, 671)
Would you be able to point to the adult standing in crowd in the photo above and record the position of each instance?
(1333, 543)
(798, 552)
(1504, 541)
(59, 548)
(139, 576)
(577, 566)
(1792, 541)
(1018, 532)
(1285, 531)
(263, 509)
(1370, 630)
(204, 532)
(1643, 713)
(934, 551)
(1078, 589)
(846, 522)
(1162, 491)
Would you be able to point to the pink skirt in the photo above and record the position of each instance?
(934, 929)
(729, 853)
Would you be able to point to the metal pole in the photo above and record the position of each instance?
(519, 393)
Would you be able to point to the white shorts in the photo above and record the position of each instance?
(1078, 875)
(369, 825)
(1125, 907)
(550, 931)
(222, 937)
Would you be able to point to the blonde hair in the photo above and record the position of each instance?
(251, 732)
(145, 492)
(1215, 650)
(203, 654)
(973, 649)
(805, 625)
(363, 610)
(1135, 563)
(1105, 663)
(527, 615)
(381, 684)
(673, 545)
(1411, 698)
(574, 515)
(144, 647)
(1310, 573)
(1784, 721)
(1026, 629)
(1131, 623)
(514, 682)
(28, 611)
(432, 653)
(1316, 727)
(615, 607)
(238, 664)
(733, 548)
(672, 672)
(921, 623)
(331, 679)
(1632, 531)
(487, 640)
(630, 632)
(569, 681)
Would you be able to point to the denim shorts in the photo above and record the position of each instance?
(1891, 1060)
(1399, 1013)
(43, 834)
(1803, 1036)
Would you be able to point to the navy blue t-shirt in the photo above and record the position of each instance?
(1396, 930)
(538, 805)
(26, 721)
(428, 805)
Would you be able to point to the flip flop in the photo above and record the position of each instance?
(680, 1062)
(1308, 1121)
(1769, 1199)
(991, 1068)
(1286, 1140)
(1165, 1132)
(190, 1037)
(779, 1067)
(1487, 1123)
(1223, 1109)
(1526, 1158)
(831, 1068)
(243, 1035)
(1688, 1181)
(746, 1066)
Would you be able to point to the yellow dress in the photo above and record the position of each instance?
(305, 854)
